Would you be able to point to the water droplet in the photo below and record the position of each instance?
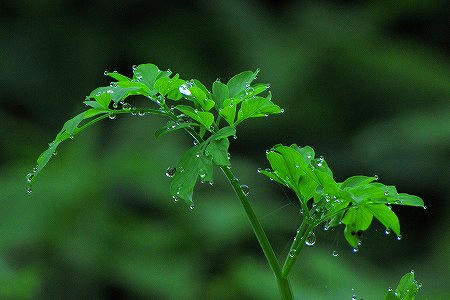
(55, 153)
(245, 189)
(195, 142)
(133, 111)
(192, 206)
(217, 79)
(115, 105)
(310, 239)
(184, 90)
(335, 253)
(386, 193)
(376, 177)
(197, 155)
(235, 137)
(71, 136)
(268, 85)
(282, 110)
(29, 190)
(174, 198)
(112, 84)
(126, 106)
(30, 177)
(141, 113)
(139, 78)
(170, 171)
(211, 183)
(134, 67)
(110, 91)
(424, 207)
(105, 73)
(258, 170)
(326, 227)
(387, 231)
(292, 253)
(112, 117)
(355, 249)
(248, 90)
(399, 237)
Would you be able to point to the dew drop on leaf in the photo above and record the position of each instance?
(126, 106)
(192, 206)
(30, 177)
(170, 171)
(184, 90)
(112, 117)
(29, 190)
(335, 253)
(115, 105)
(376, 177)
(292, 253)
(399, 237)
(245, 189)
(105, 73)
(310, 239)
(55, 153)
(387, 231)
(355, 249)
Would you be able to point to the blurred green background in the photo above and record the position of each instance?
(366, 83)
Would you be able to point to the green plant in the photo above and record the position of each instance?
(211, 118)
(407, 288)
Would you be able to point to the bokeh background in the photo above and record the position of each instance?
(366, 83)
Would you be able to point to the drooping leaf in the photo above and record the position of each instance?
(121, 90)
(218, 150)
(385, 215)
(193, 165)
(203, 117)
(357, 220)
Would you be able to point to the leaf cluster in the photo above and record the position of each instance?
(209, 115)
(353, 202)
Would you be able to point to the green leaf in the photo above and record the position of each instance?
(103, 100)
(201, 98)
(228, 112)
(356, 181)
(94, 104)
(117, 76)
(122, 90)
(386, 216)
(69, 129)
(407, 288)
(172, 126)
(169, 86)
(193, 164)
(357, 220)
(203, 117)
(292, 167)
(218, 150)
(147, 75)
(222, 133)
(257, 107)
(240, 82)
(220, 92)
(406, 199)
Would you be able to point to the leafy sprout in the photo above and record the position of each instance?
(353, 202)
(198, 110)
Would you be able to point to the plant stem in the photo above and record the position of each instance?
(299, 242)
(283, 283)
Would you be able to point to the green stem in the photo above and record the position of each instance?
(299, 242)
(283, 283)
